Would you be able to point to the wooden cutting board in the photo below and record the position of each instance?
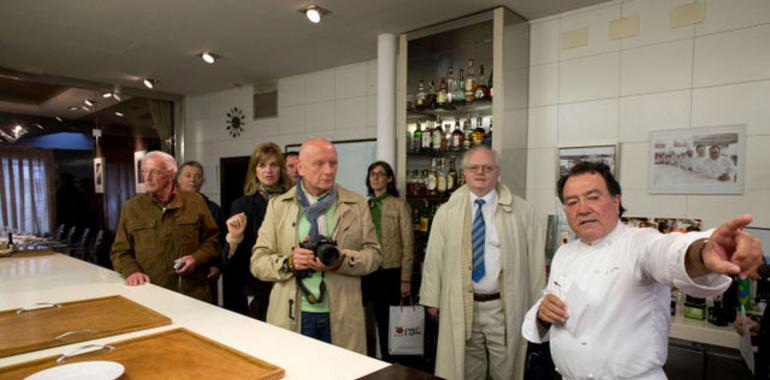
(173, 354)
(73, 322)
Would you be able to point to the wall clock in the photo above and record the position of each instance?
(235, 121)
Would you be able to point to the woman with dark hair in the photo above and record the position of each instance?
(392, 220)
(265, 178)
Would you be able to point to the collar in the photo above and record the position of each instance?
(381, 197)
(165, 202)
(610, 238)
(489, 198)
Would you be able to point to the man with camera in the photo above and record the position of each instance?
(315, 243)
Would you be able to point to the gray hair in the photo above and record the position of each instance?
(467, 154)
(168, 160)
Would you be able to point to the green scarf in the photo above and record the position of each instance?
(268, 192)
(375, 206)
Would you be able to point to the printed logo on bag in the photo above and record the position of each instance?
(412, 331)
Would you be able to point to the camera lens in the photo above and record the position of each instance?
(328, 254)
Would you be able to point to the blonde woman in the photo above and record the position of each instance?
(265, 178)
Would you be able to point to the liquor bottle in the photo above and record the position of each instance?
(451, 183)
(425, 216)
(459, 90)
(488, 137)
(416, 216)
(441, 177)
(478, 133)
(489, 85)
(427, 139)
(431, 183)
(450, 85)
(417, 138)
(441, 96)
(447, 137)
(419, 101)
(438, 137)
(468, 133)
(481, 87)
(458, 138)
(409, 141)
(470, 82)
(430, 95)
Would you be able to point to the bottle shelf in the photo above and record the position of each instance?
(440, 197)
(482, 107)
(440, 153)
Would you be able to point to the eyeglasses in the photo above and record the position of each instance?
(153, 173)
(378, 174)
(480, 168)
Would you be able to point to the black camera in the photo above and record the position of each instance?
(325, 249)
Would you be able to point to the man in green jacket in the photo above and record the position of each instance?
(326, 302)
(166, 236)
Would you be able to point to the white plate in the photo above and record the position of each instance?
(91, 370)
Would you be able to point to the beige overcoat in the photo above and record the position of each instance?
(355, 235)
(446, 281)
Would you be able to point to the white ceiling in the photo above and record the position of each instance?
(119, 41)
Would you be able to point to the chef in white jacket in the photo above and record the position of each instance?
(605, 309)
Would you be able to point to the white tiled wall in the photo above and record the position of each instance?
(338, 103)
(616, 91)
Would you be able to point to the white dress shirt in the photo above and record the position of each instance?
(716, 168)
(626, 279)
(488, 284)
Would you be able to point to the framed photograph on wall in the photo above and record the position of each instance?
(99, 175)
(139, 178)
(569, 156)
(706, 160)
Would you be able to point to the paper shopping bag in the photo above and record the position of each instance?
(406, 330)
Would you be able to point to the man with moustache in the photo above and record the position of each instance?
(162, 226)
(484, 265)
(605, 310)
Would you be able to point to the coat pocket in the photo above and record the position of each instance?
(143, 235)
(187, 232)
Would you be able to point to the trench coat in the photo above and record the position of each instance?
(446, 281)
(357, 240)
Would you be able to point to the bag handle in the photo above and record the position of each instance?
(411, 302)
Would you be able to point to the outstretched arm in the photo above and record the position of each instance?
(729, 250)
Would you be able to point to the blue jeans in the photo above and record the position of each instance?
(316, 325)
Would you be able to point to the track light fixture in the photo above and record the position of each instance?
(119, 114)
(106, 95)
(314, 13)
(89, 102)
(149, 83)
(209, 57)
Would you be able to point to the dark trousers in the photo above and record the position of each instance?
(317, 325)
(383, 289)
(237, 286)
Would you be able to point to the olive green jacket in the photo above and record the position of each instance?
(355, 236)
(150, 237)
(397, 236)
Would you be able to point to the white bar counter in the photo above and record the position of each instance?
(701, 331)
(60, 278)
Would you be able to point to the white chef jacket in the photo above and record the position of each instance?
(626, 277)
(715, 168)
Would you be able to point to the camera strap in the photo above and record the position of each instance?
(309, 296)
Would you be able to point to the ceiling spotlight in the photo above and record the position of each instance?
(208, 57)
(59, 119)
(314, 13)
(119, 114)
(89, 103)
(38, 126)
(116, 96)
(73, 108)
(84, 108)
(106, 95)
(149, 83)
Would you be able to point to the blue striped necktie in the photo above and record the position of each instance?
(478, 234)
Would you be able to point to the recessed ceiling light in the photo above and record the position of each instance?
(119, 114)
(73, 108)
(89, 102)
(38, 126)
(84, 108)
(116, 96)
(106, 94)
(314, 13)
(59, 119)
(149, 83)
(209, 58)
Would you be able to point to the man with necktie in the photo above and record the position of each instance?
(484, 263)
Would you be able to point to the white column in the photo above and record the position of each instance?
(386, 98)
